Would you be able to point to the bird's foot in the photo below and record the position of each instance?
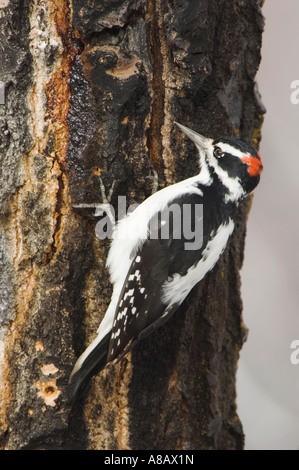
(155, 181)
(95, 209)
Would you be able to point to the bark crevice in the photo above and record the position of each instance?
(156, 36)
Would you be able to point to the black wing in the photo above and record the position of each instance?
(141, 308)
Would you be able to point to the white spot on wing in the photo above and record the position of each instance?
(129, 293)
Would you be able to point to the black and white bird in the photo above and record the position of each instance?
(153, 273)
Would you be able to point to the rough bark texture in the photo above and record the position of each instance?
(92, 88)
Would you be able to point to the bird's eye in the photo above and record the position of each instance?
(218, 152)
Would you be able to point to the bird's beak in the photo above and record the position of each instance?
(200, 141)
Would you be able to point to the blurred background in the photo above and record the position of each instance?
(268, 383)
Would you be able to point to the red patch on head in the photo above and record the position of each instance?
(255, 165)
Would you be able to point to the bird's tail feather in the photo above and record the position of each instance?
(93, 363)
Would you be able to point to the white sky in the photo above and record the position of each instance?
(268, 384)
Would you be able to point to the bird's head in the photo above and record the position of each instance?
(237, 164)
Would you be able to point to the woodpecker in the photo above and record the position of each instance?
(152, 274)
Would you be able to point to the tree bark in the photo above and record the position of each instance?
(92, 88)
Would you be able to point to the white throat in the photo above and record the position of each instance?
(235, 189)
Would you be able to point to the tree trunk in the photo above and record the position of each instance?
(92, 88)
